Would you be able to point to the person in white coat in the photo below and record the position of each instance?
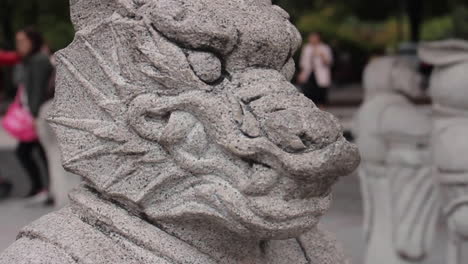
(315, 64)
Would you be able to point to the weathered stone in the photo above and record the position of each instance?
(205, 65)
(181, 163)
(400, 201)
(448, 90)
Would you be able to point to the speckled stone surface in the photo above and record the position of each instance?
(193, 144)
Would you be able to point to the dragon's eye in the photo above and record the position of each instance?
(205, 65)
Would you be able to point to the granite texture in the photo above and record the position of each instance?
(448, 90)
(400, 199)
(193, 144)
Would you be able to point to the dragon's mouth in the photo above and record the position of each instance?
(280, 217)
(272, 204)
(267, 216)
(337, 159)
(276, 209)
(299, 200)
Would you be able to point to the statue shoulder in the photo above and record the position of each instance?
(67, 237)
(41, 241)
(28, 250)
(285, 251)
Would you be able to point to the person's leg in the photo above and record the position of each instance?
(326, 94)
(24, 153)
(306, 89)
(310, 88)
(41, 162)
(319, 99)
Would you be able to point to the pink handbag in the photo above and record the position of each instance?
(18, 121)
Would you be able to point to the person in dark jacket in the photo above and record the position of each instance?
(7, 58)
(33, 73)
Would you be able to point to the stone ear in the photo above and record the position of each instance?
(86, 13)
(441, 53)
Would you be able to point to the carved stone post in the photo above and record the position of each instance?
(400, 201)
(193, 144)
(449, 92)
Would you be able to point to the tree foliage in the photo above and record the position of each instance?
(416, 11)
(49, 16)
(460, 22)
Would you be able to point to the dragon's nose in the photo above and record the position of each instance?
(286, 117)
(302, 129)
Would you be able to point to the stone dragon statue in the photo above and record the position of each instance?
(193, 144)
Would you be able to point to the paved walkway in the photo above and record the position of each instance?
(9, 166)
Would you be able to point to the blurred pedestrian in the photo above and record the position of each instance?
(33, 75)
(315, 65)
(7, 58)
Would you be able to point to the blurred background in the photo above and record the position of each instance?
(355, 30)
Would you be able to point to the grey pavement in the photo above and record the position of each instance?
(9, 166)
(344, 219)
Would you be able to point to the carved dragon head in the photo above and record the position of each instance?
(184, 109)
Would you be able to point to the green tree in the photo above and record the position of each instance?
(460, 22)
(51, 17)
(417, 11)
(296, 8)
(6, 19)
